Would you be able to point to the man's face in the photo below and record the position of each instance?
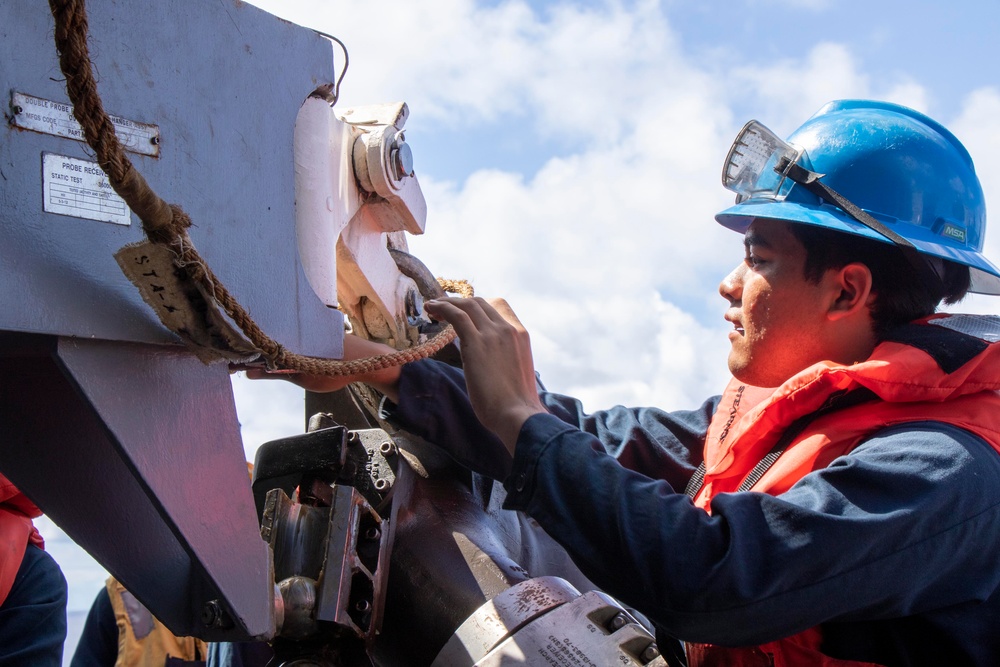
(778, 315)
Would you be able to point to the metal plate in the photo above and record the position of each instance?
(223, 81)
(51, 117)
(80, 189)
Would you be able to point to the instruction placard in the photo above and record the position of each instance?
(51, 117)
(80, 189)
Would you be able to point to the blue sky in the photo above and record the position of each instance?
(570, 155)
(946, 47)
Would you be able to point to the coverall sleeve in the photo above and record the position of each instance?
(434, 404)
(909, 521)
(656, 443)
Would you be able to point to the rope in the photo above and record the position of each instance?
(167, 224)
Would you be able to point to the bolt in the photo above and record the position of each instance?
(211, 613)
(651, 653)
(372, 534)
(382, 484)
(320, 421)
(618, 622)
(362, 605)
(387, 448)
(155, 141)
(18, 110)
(401, 160)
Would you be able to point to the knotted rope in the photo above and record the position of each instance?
(167, 224)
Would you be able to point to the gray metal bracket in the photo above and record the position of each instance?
(131, 448)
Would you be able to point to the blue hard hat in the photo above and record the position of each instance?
(900, 167)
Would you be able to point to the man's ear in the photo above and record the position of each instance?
(853, 286)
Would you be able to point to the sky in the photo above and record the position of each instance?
(570, 154)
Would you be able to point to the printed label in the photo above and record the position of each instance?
(80, 189)
(56, 118)
(954, 232)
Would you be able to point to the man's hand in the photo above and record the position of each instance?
(496, 356)
(385, 380)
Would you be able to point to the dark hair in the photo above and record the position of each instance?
(902, 291)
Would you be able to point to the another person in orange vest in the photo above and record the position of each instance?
(839, 503)
(121, 632)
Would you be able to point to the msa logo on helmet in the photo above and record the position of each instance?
(953, 232)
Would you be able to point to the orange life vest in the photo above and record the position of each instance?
(801, 424)
(143, 641)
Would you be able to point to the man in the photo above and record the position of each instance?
(121, 632)
(32, 587)
(843, 494)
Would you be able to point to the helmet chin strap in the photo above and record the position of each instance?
(812, 182)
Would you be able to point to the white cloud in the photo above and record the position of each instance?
(596, 248)
(978, 128)
(268, 410)
(583, 252)
(573, 70)
(639, 351)
(628, 211)
(786, 92)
